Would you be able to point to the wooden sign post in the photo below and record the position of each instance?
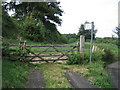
(82, 40)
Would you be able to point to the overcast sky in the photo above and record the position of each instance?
(104, 13)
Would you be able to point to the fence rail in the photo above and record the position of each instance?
(55, 51)
(49, 60)
(12, 45)
(53, 46)
(15, 41)
(40, 55)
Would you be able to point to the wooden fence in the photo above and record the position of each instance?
(42, 55)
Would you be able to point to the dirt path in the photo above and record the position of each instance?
(35, 79)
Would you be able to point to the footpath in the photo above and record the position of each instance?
(35, 79)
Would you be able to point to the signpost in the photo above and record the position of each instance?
(92, 29)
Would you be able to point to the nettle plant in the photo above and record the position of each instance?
(75, 59)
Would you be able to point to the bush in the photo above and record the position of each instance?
(110, 52)
(97, 55)
(75, 59)
(5, 49)
(108, 56)
(105, 52)
(80, 59)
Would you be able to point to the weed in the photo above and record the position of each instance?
(75, 59)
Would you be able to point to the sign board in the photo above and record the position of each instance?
(88, 26)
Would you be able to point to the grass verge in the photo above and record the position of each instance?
(14, 74)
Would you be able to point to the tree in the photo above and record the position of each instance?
(37, 20)
(45, 11)
(81, 30)
(117, 32)
(86, 33)
(32, 29)
(9, 27)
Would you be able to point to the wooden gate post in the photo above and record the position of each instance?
(82, 40)
(22, 48)
(24, 45)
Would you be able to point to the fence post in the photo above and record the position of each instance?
(82, 40)
(24, 44)
(23, 48)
